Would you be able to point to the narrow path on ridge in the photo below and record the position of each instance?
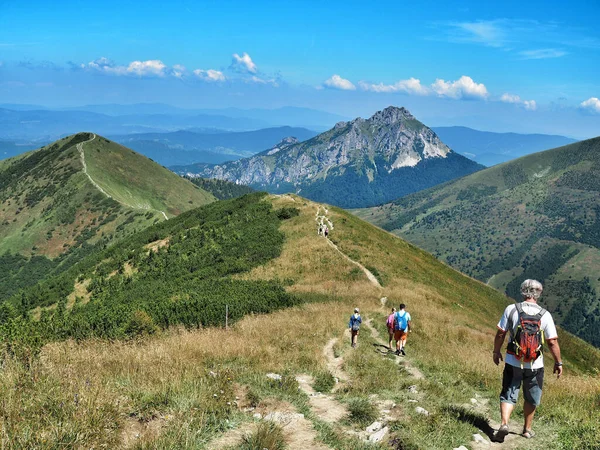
(321, 219)
(97, 186)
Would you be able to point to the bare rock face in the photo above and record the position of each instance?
(365, 152)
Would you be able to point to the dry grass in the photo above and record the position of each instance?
(160, 391)
(80, 291)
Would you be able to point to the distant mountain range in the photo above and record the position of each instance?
(490, 148)
(355, 164)
(534, 217)
(187, 147)
(49, 125)
(29, 122)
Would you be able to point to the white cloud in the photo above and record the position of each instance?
(243, 64)
(490, 32)
(510, 98)
(153, 67)
(463, 88)
(592, 104)
(542, 53)
(337, 82)
(410, 86)
(150, 67)
(530, 105)
(209, 75)
(178, 70)
(258, 80)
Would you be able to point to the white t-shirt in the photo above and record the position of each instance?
(547, 324)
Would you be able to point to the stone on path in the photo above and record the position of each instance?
(423, 411)
(378, 437)
(413, 389)
(274, 376)
(479, 438)
(462, 447)
(375, 426)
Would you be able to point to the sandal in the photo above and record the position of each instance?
(528, 434)
(501, 433)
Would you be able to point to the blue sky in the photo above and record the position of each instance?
(501, 66)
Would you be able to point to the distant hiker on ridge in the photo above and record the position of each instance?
(326, 231)
(354, 325)
(402, 326)
(528, 325)
(390, 327)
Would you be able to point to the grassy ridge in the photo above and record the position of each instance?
(134, 180)
(52, 216)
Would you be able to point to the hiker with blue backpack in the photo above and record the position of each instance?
(402, 326)
(354, 325)
(528, 326)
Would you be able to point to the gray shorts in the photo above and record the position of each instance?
(531, 379)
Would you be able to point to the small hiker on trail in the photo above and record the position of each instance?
(354, 325)
(326, 231)
(528, 326)
(320, 230)
(402, 326)
(390, 327)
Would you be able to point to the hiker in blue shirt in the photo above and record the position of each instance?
(402, 326)
(354, 325)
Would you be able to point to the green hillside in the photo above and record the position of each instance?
(221, 189)
(53, 212)
(534, 217)
(179, 379)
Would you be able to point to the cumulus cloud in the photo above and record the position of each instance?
(153, 67)
(259, 80)
(410, 86)
(243, 64)
(592, 104)
(337, 82)
(543, 53)
(530, 105)
(463, 88)
(178, 71)
(510, 98)
(150, 67)
(209, 75)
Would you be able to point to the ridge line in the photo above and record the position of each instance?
(97, 186)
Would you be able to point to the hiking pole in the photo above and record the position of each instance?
(226, 317)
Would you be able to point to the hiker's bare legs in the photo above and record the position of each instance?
(506, 410)
(528, 412)
(354, 338)
(391, 341)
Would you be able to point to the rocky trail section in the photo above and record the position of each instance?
(97, 186)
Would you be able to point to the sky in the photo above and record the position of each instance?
(497, 66)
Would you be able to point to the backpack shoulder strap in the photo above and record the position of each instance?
(539, 315)
(519, 308)
(511, 324)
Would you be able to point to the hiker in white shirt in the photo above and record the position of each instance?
(524, 364)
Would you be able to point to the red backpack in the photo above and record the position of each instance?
(527, 340)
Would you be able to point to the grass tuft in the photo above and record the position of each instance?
(362, 411)
(268, 436)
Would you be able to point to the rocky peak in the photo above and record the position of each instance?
(391, 115)
(285, 142)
